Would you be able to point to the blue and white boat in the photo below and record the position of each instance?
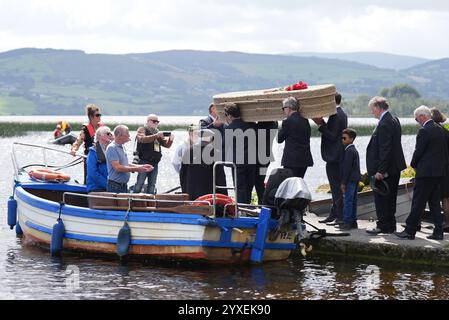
(63, 216)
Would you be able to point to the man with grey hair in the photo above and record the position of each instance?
(430, 160)
(385, 161)
(295, 131)
(117, 161)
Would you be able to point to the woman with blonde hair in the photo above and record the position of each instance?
(440, 118)
(87, 133)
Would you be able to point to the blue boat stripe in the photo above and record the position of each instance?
(191, 219)
(189, 243)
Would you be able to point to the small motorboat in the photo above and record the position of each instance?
(69, 138)
(366, 209)
(60, 214)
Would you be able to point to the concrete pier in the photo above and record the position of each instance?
(383, 246)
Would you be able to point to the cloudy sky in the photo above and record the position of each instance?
(409, 27)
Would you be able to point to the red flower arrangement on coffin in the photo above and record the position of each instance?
(296, 86)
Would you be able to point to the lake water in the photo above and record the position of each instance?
(30, 273)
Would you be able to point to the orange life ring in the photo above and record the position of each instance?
(220, 201)
(49, 175)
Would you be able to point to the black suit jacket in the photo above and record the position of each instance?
(295, 131)
(350, 166)
(265, 141)
(331, 146)
(242, 144)
(431, 155)
(384, 152)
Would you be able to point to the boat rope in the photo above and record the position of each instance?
(321, 233)
(67, 165)
(129, 209)
(60, 210)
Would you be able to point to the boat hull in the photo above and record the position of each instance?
(153, 234)
(366, 209)
(66, 139)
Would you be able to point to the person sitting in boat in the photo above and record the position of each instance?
(58, 132)
(97, 170)
(65, 127)
(87, 132)
(117, 162)
(148, 151)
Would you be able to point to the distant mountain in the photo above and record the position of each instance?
(48, 81)
(377, 59)
(431, 77)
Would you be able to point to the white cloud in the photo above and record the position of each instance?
(264, 26)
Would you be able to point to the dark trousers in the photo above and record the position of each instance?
(259, 181)
(333, 175)
(116, 187)
(425, 190)
(245, 182)
(299, 172)
(386, 205)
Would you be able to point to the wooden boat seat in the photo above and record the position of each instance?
(176, 203)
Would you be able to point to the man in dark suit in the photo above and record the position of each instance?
(331, 152)
(266, 132)
(295, 131)
(429, 159)
(212, 121)
(385, 161)
(240, 138)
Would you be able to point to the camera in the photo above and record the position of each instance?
(166, 133)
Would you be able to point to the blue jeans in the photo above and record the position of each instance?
(116, 187)
(350, 203)
(152, 177)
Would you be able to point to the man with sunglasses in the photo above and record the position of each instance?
(149, 141)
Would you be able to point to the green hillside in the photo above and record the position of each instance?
(47, 81)
(377, 59)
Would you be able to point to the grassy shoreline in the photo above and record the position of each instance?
(11, 129)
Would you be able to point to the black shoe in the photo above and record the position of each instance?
(436, 236)
(418, 228)
(345, 227)
(336, 223)
(354, 225)
(404, 235)
(328, 219)
(374, 231)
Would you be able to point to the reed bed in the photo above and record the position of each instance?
(11, 129)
